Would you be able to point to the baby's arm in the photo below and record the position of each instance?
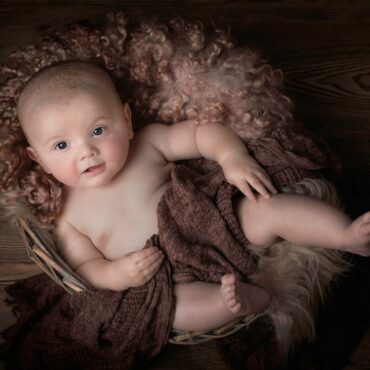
(186, 140)
(221, 144)
(130, 270)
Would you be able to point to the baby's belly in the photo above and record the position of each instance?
(130, 232)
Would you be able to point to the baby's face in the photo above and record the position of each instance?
(83, 142)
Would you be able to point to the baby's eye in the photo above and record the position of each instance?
(61, 145)
(98, 131)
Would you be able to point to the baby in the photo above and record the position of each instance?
(79, 131)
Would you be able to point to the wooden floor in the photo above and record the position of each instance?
(323, 48)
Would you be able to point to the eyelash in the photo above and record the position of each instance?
(103, 130)
(60, 142)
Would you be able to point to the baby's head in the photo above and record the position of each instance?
(75, 124)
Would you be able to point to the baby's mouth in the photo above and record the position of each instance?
(94, 169)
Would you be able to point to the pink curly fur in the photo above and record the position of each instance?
(171, 72)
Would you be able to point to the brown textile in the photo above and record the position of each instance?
(91, 330)
(292, 153)
(109, 330)
(202, 239)
(198, 230)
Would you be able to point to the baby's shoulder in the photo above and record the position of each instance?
(150, 132)
(73, 204)
(147, 140)
(172, 142)
(63, 225)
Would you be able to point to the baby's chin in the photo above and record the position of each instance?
(85, 184)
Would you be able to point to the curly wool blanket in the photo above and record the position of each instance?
(101, 329)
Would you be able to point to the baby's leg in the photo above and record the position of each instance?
(302, 220)
(204, 306)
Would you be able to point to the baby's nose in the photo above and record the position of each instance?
(87, 150)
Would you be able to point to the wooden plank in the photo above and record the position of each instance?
(360, 359)
(11, 244)
(10, 272)
(198, 357)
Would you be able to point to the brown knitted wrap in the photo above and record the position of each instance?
(120, 330)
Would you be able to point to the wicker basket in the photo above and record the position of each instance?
(43, 252)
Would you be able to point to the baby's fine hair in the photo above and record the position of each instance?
(62, 81)
(172, 72)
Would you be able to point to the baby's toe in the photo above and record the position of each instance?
(232, 301)
(365, 228)
(235, 308)
(228, 279)
(229, 295)
(367, 216)
(227, 290)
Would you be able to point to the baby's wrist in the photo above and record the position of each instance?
(230, 154)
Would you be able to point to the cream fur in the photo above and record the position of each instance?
(299, 277)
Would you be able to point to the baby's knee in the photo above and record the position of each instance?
(256, 221)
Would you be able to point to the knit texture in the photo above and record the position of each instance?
(122, 330)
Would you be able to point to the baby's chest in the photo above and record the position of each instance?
(119, 222)
(116, 228)
(121, 232)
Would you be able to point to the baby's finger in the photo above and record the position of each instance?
(265, 179)
(150, 271)
(149, 260)
(258, 186)
(143, 253)
(246, 190)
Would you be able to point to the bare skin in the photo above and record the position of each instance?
(231, 300)
(303, 220)
(113, 180)
(241, 298)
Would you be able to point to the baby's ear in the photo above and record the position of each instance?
(35, 157)
(32, 154)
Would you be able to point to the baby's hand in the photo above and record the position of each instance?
(140, 266)
(244, 172)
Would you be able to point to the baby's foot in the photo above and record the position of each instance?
(357, 236)
(243, 299)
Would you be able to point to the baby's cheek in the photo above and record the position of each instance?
(116, 152)
(67, 174)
